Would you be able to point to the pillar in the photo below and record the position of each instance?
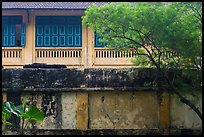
(82, 110)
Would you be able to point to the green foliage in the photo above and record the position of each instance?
(6, 113)
(7, 109)
(32, 114)
(175, 27)
(189, 82)
(142, 62)
(163, 36)
(151, 84)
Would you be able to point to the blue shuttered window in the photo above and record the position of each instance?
(77, 36)
(58, 31)
(23, 35)
(12, 35)
(70, 35)
(62, 35)
(55, 35)
(8, 35)
(47, 35)
(11, 28)
(5, 35)
(98, 42)
(40, 35)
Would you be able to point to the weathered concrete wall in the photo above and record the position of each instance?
(74, 78)
(69, 104)
(182, 117)
(123, 110)
(60, 109)
(93, 99)
(107, 110)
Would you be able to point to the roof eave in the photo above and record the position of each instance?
(40, 9)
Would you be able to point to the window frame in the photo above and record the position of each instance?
(96, 43)
(10, 24)
(62, 35)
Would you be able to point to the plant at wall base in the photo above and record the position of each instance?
(7, 110)
(27, 114)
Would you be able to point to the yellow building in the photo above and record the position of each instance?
(52, 33)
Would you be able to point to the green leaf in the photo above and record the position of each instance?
(8, 123)
(10, 108)
(34, 114)
(19, 109)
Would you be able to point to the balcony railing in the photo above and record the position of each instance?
(109, 57)
(66, 56)
(12, 56)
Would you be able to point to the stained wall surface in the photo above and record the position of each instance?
(97, 99)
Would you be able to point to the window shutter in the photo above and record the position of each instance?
(77, 36)
(70, 35)
(62, 35)
(39, 39)
(97, 43)
(47, 35)
(10, 30)
(5, 35)
(12, 35)
(54, 31)
(55, 35)
(23, 35)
